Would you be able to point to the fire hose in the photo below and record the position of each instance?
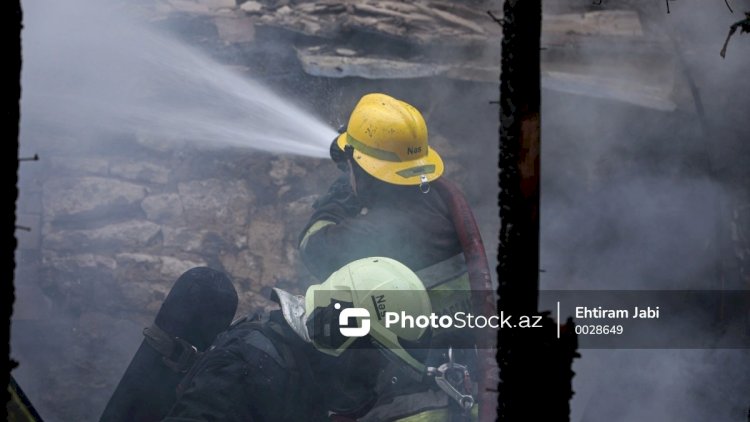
(480, 283)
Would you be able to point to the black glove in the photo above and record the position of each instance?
(338, 156)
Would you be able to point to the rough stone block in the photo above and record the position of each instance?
(138, 294)
(235, 30)
(218, 4)
(251, 6)
(80, 165)
(188, 6)
(163, 207)
(171, 267)
(215, 202)
(132, 235)
(284, 168)
(141, 171)
(78, 262)
(242, 265)
(183, 238)
(137, 266)
(72, 198)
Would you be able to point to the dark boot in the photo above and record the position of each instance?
(200, 305)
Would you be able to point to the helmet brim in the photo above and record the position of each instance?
(398, 172)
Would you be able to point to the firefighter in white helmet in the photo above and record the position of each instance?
(319, 357)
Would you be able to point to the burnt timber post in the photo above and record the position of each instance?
(535, 366)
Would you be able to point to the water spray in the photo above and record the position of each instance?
(90, 69)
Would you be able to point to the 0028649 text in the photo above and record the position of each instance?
(595, 329)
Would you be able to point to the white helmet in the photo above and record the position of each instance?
(363, 290)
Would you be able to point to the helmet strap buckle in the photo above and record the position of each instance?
(424, 185)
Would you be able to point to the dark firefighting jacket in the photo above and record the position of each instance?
(255, 371)
(398, 222)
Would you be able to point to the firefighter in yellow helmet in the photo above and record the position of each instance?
(386, 204)
(382, 205)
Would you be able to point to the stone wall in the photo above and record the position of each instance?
(114, 231)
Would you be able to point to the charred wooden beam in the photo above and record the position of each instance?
(520, 91)
(12, 36)
(535, 374)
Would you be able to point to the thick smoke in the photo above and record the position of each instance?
(641, 198)
(102, 95)
(632, 197)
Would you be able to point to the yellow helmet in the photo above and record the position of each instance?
(389, 138)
